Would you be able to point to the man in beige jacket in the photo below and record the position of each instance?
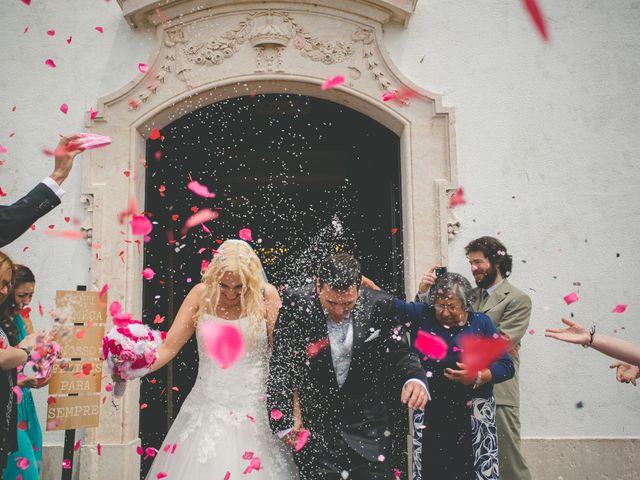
(510, 310)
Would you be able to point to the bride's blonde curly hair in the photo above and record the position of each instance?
(236, 256)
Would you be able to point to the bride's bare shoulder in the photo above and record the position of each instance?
(198, 291)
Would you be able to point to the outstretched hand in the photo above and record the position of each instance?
(461, 376)
(414, 395)
(626, 373)
(575, 333)
(65, 152)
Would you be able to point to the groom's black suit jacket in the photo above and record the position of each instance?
(357, 411)
(17, 218)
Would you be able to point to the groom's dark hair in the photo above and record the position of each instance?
(341, 272)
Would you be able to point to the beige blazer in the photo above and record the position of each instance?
(510, 310)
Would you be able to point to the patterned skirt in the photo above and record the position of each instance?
(484, 441)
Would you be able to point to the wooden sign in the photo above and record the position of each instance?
(81, 307)
(67, 413)
(84, 342)
(74, 380)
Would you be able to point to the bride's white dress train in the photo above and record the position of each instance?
(222, 426)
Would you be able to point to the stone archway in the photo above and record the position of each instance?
(212, 50)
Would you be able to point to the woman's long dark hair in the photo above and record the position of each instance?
(8, 309)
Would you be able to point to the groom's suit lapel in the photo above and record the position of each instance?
(321, 364)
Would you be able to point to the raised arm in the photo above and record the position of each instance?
(611, 346)
(182, 328)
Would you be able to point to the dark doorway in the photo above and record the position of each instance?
(307, 176)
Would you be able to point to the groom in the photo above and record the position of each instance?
(339, 345)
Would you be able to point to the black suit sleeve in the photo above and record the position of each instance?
(285, 363)
(17, 218)
(402, 364)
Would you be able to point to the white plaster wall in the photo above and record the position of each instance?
(546, 144)
(93, 65)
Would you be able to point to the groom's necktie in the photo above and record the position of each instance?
(341, 342)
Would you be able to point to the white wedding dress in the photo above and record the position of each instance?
(222, 431)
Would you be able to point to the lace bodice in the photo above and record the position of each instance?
(240, 385)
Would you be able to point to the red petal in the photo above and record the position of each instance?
(536, 16)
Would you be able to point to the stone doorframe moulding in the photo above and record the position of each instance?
(211, 50)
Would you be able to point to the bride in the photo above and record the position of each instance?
(222, 429)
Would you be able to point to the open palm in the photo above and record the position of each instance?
(574, 333)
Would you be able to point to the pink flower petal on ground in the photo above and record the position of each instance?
(537, 17)
(303, 437)
(140, 225)
(202, 216)
(100, 29)
(276, 414)
(148, 273)
(431, 345)
(245, 234)
(621, 307)
(457, 198)
(572, 297)
(51, 32)
(22, 463)
(200, 189)
(105, 289)
(223, 342)
(50, 63)
(18, 391)
(143, 67)
(332, 82)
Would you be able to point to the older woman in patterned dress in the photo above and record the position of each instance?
(459, 439)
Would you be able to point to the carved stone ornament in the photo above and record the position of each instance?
(269, 33)
(453, 225)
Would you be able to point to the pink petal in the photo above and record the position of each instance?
(276, 414)
(140, 225)
(22, 463)
(621, 307)
(572, 297)
(93, 113)
(18, 391)
(532, 332)
(536, 16)
(68, 234)
(223, 342)
(3, 150)
(50, 63)
(200, 189)
(431, 345)
(89, 141)
(161, 475)
(66, 464)
(40, 309)
(480, 352)
(143, 67)
(303, 436)
(245, 234)
(386, 96)
(99, 447)
(313, 349)
(457, 198)
(332, 82)
(148, 273)
(227, 476)
(26, 2)
(69, 39)
(109, 387)
(115, 308)
(202, 216)
(76, 447)
(51, 32)
(104, 290)
(155, 134)
(100, 29)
